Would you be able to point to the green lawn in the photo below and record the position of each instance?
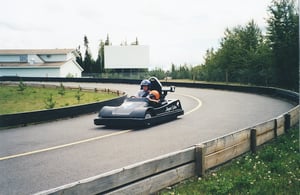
(274, 169)
(14, 99)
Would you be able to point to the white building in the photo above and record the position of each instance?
(39, 63)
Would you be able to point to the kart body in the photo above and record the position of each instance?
(141, 111)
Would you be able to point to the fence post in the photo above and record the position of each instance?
(200, 160)
(275, 129)
(287, 122)
(253, 141)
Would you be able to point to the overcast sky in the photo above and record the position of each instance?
(177, 31)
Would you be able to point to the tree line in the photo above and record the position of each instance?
(86, 61)
(245, 55)
(88, 64)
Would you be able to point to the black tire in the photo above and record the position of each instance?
(148, 115)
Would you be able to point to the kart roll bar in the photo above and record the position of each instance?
(165, 90)
(156, 85)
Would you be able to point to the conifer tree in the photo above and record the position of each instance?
(283, 33)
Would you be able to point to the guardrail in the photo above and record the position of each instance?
(150, 176)
(289, 95)
(153, 175)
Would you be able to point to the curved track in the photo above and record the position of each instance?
(43, 156)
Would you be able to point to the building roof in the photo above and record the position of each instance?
(37, 65)
(34, 51)
(27, 65)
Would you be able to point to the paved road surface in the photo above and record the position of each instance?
(43, 156)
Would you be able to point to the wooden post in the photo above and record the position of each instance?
(287, 122)
(253, 141)
(275, 129)
(200, 160)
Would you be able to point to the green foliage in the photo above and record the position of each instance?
(21, 86)
(100, 59)
(61, 90)
(79, 59)
(241, 58)
(88, 64)
(274, 169)
(49, 102)
(283, 34)
(181, 72)
(247, 56)
(78, 94)
(33, 98)
(158, 72)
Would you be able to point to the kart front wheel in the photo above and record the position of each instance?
(148, 116)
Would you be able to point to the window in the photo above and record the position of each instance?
(23, 58)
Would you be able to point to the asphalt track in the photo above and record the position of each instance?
(39, 157)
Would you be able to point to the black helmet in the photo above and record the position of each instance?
(145, 82)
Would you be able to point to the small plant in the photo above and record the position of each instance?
(78, 95)
(34, 98)
(21, 86)
(61, 90)
(49, 102)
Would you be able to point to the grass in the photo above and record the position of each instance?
(274, 169)
(14, 99)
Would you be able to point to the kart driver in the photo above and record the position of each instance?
(145, 91)
(145, 88)
(152, 96)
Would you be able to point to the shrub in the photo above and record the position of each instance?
(49, 102)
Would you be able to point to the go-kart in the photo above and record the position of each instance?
(142, 111)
